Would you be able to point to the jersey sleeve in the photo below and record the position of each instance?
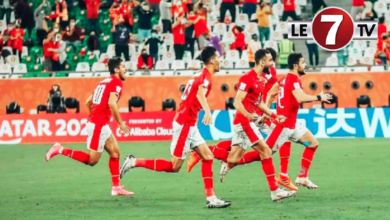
(115, 87)
(204, 81)
(293, 84)
(244, 84)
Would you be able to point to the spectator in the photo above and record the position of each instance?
(121, 39)
(55, 103)
(239, 44)
(25, 15)
(59, 53)
(73, 34)
(93, 42)
(5, 42)
(154, 5)
(179, 40)
(289, 10)
(144, 21)
(381, 27)
(318, 5)
(202, 10)
(114, 16)
(312, 47)
(262, 15)
(145, 61)
(61, 10)
(253, 46)
(357, 8)
(17, 35)
(6, 9)
(177, 9)
(383, 50)
(368, 13)
(214, 41)
(189, 34)
(126, 10)
(40, 21)
(227, 5)
(249, 7)
(200, 28)
(342, 56)
(153, 43)
(92, 23)
(166, 15)
(47, 51)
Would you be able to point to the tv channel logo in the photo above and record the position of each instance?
(332, 29)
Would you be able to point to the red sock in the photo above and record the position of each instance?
(219, 153)
(307, 157)
(80, 156)
(248, 157)
(207, 174)
(284, 154)
(113, 164)
(269, 171)
(227, 145)
(273, 137)
(155, 164)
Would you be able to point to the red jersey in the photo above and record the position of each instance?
(178, 34)
(271, 79)
(381, 29)
(46, 52)
(101, 112)
(18, 42)
(200, 27)
(357, 3)
(190, 106)
(126, 10)
(92, 8)
(289, 5)
(288, 105)
(254, 86)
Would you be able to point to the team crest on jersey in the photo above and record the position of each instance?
(242, 86)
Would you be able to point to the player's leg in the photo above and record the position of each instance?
(305, 137)
(112, 149)
(220, 152)
(207, 174)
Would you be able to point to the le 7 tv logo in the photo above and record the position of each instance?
(333, 29)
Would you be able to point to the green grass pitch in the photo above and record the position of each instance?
(352, 174)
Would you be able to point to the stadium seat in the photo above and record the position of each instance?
(103, 56)
(363, 100)
(187, 57)
(83, 67)
(130, 65)
(140, 48)
(1, 60)
(370, 52)
(194, 64)
(277, 35)
(111, 50)
(360, 69)
(3, 25)
(273, 19)
(102, 74)
(242, 19)
(24, 51)
(242, 64)
(76, 75)
(169, 104)
(36, 51)
(178, 65)
(15, 76)
(367, 60)
(168, 57)
(9, 49)
(244, 54)
(20, 68)
(356, 53)
(372, 43)
(185, 72)
(230, 27)
(380, 8)
(136, 102)
(361, 44)
(278, 9)
(99, 67)
(226, 64)
(377, 69)
(162, 65)
(228, 38)
(331, 61)
(132, 50)
(328, 70)
(168, 41)
(155, 73)
(233, 55)
(272, 44)
(12, 60)
(220, 29)
(251, 28)
(282, 27)
(351, 61)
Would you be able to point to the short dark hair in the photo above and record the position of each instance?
(273, 53)
(381, 20)
(154, 31)
(239, 29)
(260, 54)
(113, 64)
(207, 53)
(293, 59)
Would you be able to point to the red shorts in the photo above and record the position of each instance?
(185, 137)
(97, 136)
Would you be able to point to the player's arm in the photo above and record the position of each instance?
(302, 97)
(272, 94)
(112, 103)
(240, 96)
(88, 104)
(201, 96)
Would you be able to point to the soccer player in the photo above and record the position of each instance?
(283, 179)
(186, 135)
(102, 105)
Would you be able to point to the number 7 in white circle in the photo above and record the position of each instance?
(337, 19)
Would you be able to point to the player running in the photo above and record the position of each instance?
(102, 105)
(186, 135)
(251, 156)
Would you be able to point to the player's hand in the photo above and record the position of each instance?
(280, 118)
(265, 118)
(207, 119)
(124, 128)
(252, 116)
(325, 97)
